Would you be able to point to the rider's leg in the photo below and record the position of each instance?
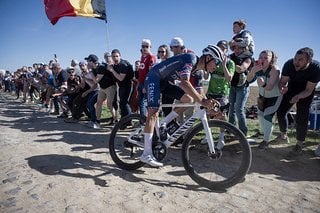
(152, 116)
(147, 156)
(174, 113)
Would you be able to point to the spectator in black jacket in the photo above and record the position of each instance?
(123, 72)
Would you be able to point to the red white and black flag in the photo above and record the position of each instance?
(55, 9)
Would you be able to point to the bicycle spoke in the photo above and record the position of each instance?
(126, 142)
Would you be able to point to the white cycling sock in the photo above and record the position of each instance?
(172, 115)
(147, 144)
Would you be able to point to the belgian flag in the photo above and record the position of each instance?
(55, 9)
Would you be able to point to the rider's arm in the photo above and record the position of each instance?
(188, 88)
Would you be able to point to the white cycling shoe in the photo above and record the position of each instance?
(149, 159)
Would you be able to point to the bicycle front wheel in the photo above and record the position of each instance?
(220, 171)
(126, 142)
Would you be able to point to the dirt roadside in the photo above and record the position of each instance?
(48, 165)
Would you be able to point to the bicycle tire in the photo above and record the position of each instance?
(224, 172)
(121, 154)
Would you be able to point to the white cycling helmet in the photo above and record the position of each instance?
(214, 51)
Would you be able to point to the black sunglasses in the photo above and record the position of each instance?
(161, 51)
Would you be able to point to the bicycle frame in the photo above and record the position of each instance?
(199, 114)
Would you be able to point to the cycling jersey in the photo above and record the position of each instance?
(196, 79)
(173, 68)
(218, 84)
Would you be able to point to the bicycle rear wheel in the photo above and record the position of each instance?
(126, 142)
(216, 173)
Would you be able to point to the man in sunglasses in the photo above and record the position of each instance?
(146, 62)
(180, 68)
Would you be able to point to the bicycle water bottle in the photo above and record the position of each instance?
(163, 132)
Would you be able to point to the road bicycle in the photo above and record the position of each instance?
(212, 163)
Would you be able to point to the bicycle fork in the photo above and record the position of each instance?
(213, 152)
(208, 134)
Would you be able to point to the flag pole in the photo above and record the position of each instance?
(107, 29)
(107, 37)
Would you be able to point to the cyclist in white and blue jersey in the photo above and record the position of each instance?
(158, 81)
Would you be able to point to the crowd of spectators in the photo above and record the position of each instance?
(82, 89)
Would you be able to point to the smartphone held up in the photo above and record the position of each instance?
(258, 62)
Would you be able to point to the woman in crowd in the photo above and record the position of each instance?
(163, 54)
(267, 74)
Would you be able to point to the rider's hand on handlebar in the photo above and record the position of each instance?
(210, 103)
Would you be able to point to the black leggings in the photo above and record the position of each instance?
(302, 115)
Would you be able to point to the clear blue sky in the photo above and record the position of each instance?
(28, 37)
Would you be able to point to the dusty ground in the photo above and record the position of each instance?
(50, 166)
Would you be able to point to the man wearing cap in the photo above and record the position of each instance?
(122, 70)
(107, 90)
(146, 62)
(60, 79)
(177, 46)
